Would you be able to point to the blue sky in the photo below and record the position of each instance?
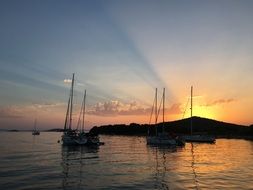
(121, 50)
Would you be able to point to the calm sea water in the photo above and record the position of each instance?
(39, 162)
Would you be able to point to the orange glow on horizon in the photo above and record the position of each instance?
(204, 111)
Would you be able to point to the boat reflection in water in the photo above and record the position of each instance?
(161, 168)
(164, 164)
(76, 164)
(194, 167)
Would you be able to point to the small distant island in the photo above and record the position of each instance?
(55, 130)
(181, 127)
(13, 130)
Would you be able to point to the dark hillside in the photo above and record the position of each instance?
(200, 125)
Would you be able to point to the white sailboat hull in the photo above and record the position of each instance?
(157, 140)
(36, 133)
(68, 140)
(79, 140)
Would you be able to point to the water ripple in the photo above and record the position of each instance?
(122, 163)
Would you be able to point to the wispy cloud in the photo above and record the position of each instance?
(67, 80)
(10, 112)
(174, 109)
(18, 111)
(219, 101)
(80, 84)
(47, 105)
(115, 107)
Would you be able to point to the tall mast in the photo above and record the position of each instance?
(84, 98)
(156, 110)
(35, 123)
(71, 101)
(66, 118)
(163, 106)
(191, 108)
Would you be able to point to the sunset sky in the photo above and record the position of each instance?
(120, 51)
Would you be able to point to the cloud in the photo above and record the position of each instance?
(47, 105)
(10, 112)
(220, 101)
(115, 107)
(174, 109)
(67, 80)
(80, 84)
(18, 111)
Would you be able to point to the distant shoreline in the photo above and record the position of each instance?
(142, 135)
(218, 129)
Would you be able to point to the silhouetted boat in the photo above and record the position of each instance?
(35, 131)
(77, 136)
(162, 138)
(85, 138)
(69, 135)
(197, 137)
(81, 138)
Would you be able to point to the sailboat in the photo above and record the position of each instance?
(76, 136)
(161, 138)
(82, 138)
(85, 138)
(197, 137)
(35, 131)
(69, 134)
